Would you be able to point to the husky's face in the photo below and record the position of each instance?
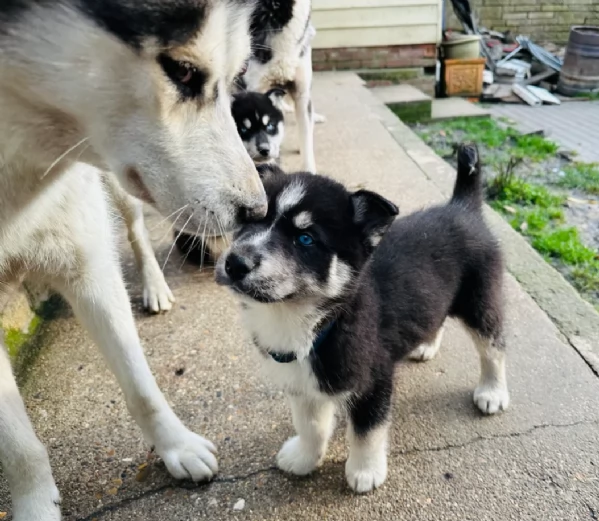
(259, 121)
(310, 246)
(148, 85)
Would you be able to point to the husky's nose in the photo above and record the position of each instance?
(237, 267)
(264, 150)
(253, 213)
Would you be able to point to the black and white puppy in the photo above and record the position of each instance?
(331, 313)
(260, 123)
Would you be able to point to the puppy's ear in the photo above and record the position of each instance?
(276, 96)
(269, 172)
(372, 213)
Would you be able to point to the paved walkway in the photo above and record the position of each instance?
(538, 461)
(574, 125)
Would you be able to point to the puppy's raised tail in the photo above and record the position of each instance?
(468, 190)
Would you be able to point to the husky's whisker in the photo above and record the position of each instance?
(62, 156)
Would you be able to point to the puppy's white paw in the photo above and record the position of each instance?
(41, 505)
(364, 475)
(296, 458)
(424, 352)
(319, 118)
(491, 399)
(157, 296)
(187, 455)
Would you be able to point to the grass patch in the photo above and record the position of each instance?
(493, 134)
(564, 244)
(581, 176)
(508, 188)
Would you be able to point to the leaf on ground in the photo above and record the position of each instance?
(113, 491)
(3, 515)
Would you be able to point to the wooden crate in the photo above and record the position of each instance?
(464, 77)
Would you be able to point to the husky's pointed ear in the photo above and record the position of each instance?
(373, 214)
(276, 96)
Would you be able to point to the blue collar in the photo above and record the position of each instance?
(286, 358)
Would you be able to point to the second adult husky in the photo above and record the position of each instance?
(139, 88)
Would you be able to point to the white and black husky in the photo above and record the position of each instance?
(281, 57)
(140, 88)
(331, 312)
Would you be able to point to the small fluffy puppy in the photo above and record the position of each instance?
(334, 292)
(260, 123)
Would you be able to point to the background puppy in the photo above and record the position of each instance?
(330, 318)
(260, 123)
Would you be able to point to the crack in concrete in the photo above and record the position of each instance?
(95, 515)
(480, 439)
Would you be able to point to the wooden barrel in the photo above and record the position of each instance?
(580, 72)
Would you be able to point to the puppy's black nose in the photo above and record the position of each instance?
(236, 267)
(253, 213)
(264, 151)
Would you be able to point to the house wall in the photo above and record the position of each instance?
(375, 33)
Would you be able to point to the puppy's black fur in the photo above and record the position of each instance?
(439, 262)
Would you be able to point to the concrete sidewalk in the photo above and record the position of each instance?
(538, 461)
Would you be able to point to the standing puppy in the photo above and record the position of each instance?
(282, 57)
(331, 313)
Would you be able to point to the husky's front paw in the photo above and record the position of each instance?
(297, 458)
(187, 455)
(41, 505)
(491, 399)
(157, 296)
(364, 475)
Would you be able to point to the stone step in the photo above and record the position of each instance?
(409, 103)
(449, 108)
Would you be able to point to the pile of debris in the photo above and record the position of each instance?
(517, 70)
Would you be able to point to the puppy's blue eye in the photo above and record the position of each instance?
(305, 240)
(270, 127)
(243, 130)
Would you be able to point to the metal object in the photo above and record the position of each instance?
(580, 72)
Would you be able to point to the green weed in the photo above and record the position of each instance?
(583, 176)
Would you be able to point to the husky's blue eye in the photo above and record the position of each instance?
(243, 130)
(270, 128)
(305, 240)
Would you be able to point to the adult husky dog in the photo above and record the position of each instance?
(138, 88)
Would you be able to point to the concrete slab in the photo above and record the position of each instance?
(399, 94)
(536, 461)
(448, 108)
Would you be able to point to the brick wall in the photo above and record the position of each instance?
(391, 56)
(542, 20)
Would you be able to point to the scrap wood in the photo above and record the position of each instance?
(544, 95)
(527, 96)
(538, 78)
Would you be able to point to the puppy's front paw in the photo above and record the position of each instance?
(296, 458)
(188, 456)
(424, 353)
(364, 475)
(491, 399)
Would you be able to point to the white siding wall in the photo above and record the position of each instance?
(366, 23)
